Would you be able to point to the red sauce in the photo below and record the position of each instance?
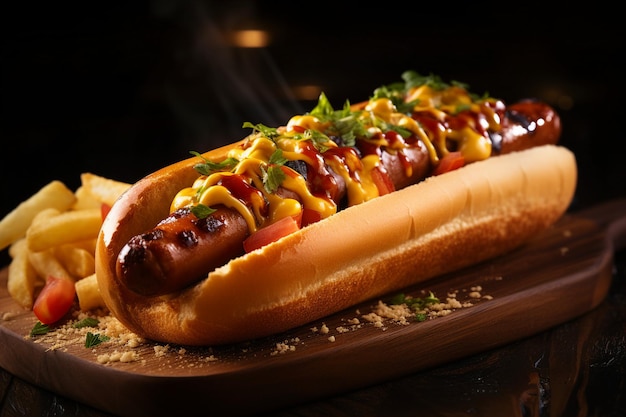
(244, 192)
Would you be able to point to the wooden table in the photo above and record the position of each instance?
(575, 367)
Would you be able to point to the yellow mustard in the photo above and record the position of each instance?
(293, 141)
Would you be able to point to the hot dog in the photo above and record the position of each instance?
(182, 248)
(376, 195)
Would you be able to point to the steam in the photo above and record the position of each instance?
(221, 86)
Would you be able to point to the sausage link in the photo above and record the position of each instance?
(407, 167)
(527, 124)
(180, 250)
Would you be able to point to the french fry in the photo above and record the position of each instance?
(67, 227)
(43, 217)
(22, 277)
(54, 232)
(14, 225)
(45, 263)
(88, 293)
(76, 260)
(103, 189)
(85, 200)
(89, 245)
(17, 247)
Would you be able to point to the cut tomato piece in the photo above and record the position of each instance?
(104, 210)
(450, 162)
(271, 233)
(310, 216)
(54, 300)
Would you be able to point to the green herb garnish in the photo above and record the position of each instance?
(323, 109)
(94, 339)
(208, 167)
(396, 92)
(344, 123)
(416, 304)
(86, 322)
(277, 158)
(462, 107)
(39, 329)
(269, 132)
(202, 211)
(420, 317)
(414, 79)
(273, 175)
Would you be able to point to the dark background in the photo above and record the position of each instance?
(123, 89)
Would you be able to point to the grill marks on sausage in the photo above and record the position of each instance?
(187, 238)
(527, 124)
(180, 250)
(210, 224)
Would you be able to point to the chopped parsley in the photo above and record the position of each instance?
(396, 92)
(208, 167)
(94, 339)
(91, 340)
(323, 109)
(202, 211)
(319, 139)
(269, 132)
(277, 158)
(39, 329)
(414, 79)
(416, 304)
(273, 175)
(87, 322)
(344, 123)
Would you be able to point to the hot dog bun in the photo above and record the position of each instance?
(383, 245)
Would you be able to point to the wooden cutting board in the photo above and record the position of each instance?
(561, 274)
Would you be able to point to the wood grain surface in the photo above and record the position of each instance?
(561, 274)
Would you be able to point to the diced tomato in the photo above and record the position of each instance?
(310, 216)
(271, 233)
(450, 162)
(298, 219)
(104, 210)
(382, 181)
(54, 300)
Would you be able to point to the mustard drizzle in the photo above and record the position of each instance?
(254, 155)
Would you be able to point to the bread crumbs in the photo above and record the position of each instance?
(285, 346)
(106, 328)
(123, 346)
(404, 314)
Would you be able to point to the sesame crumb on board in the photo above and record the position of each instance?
(117, 343)
(123, 343)
(285, 346)
(384, 314)
(123, 346)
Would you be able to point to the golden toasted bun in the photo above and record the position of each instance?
(437, 226)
